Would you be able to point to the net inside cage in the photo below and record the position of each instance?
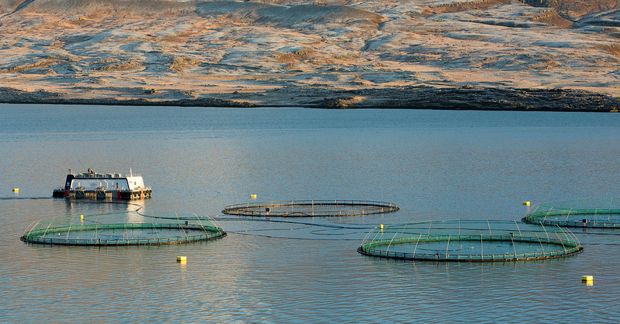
(588, 213)
(311, 208)
(108, 231)
(470, 241)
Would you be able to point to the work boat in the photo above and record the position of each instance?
(99, 186)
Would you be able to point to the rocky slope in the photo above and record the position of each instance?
(453, 54)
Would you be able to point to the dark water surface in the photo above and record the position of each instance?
(436, 165)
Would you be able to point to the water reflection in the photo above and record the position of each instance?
(434, 165)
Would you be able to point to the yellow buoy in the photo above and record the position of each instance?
(381, 227)
(587, 278)
(253, 196)
(182, 259)
(527, 203)
(81, 217)
(15, 190)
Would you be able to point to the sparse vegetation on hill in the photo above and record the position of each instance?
(576, 8)
(458, 6)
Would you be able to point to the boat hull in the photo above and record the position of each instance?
(103, 194)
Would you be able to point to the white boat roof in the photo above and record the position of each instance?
(91, 174)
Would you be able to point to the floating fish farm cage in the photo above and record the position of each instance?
(85, 231)
(311, 208)
(470, 241)
(585, 214)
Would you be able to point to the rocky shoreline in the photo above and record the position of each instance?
(423, 97)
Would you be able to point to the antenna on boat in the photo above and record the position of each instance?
(130, 173)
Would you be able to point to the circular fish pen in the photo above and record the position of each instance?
(116, 234)
(576, 214)
(311, 208)
(470, 241)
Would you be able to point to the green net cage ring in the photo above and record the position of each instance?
(311, 208)
(470, 241)
(121, 234)
(575, 214)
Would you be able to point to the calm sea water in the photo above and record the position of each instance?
(436, 165)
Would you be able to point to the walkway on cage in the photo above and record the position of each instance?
(584, 213)
(311, 208)
(470, 240)
(105, 230)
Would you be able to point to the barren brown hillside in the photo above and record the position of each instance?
(508, 54)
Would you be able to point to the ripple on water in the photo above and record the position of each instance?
(434, 165)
